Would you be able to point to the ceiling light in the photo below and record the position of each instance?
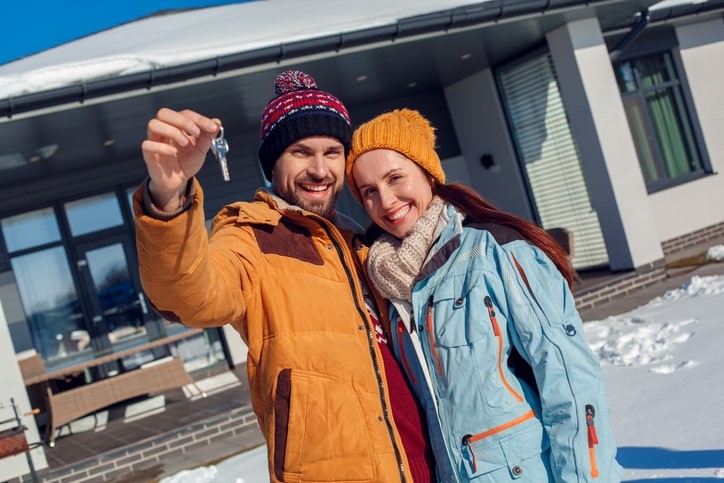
(45, 152)
(12, 160)
(361, 78)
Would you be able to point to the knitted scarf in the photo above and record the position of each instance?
(394, 263)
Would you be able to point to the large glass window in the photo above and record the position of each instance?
(30, 229)
(659, 121)
(51, 304)
(93, 214)
(71, 282)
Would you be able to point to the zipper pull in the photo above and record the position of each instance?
(590, 414)
(592, 439)
(468, 443)
(491, 313)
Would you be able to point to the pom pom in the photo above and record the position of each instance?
(427, 132)
(293, 80)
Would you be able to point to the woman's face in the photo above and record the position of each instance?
(395, 191)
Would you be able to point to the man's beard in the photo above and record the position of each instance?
(320, 207)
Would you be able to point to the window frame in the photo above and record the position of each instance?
(664, 42)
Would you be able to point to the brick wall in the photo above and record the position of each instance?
(618, 288)
(691, 239)
(145, 461)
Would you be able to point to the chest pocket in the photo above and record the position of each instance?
(458, 313)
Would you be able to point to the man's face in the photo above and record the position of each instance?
(310, 173)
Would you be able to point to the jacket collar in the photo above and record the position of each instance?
(449, 231)
(268, 208)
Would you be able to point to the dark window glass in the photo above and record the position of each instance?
(659, 119)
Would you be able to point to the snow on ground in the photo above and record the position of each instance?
(663, 364)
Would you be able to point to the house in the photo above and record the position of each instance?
(601, 117)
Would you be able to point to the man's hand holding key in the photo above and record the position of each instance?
(175, 150)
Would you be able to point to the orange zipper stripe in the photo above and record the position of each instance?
(517, 396)
(431, 336)
(530, 414)
(496, 330)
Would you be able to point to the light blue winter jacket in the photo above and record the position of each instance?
(484, 298)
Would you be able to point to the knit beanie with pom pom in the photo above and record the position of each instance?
(299, 110)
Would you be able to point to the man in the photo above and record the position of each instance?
(331, 402)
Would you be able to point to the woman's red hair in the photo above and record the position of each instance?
(477, 208)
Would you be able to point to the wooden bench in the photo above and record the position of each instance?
(68, 405)
(72, 404)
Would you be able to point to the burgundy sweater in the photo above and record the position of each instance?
(409, 417)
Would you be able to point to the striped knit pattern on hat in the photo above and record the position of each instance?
(403, 130)
(299, 110)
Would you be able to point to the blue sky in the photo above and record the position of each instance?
(31, 26)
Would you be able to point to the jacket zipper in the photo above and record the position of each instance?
(362, 311)
(469, 439)
(496, 330)
(400, 331)
(431, 336)
(592, 438)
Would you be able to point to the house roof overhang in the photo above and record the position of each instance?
(366, 62)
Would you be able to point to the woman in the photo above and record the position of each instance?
(483, 319)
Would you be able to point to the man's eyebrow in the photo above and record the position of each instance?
(303, 145)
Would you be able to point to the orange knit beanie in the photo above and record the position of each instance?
(402, 130)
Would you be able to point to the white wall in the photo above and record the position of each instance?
(610, 164)
(698, 204)
(11, 382)
(481, 128)
(237, 349)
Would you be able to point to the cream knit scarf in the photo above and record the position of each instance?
(393, 264)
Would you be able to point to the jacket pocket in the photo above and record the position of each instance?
(454, 323)
(320, 430)
(508, 446)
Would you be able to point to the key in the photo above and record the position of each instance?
(220, 147)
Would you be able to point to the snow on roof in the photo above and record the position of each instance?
(188, 36)
(192, 35)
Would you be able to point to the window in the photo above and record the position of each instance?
(549, 156)
(93, 214)
(659, 120)
(30, 229)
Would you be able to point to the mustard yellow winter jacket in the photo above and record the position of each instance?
(285, 279)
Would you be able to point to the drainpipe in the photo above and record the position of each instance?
(640, 26)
